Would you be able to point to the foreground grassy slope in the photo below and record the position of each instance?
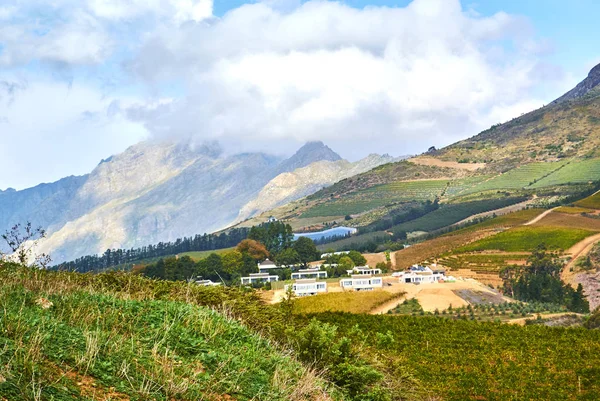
(74, 337)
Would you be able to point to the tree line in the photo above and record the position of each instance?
(126, 258)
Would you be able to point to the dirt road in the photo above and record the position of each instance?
(576, 251)
(540, 217)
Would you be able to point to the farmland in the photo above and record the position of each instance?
(517, 178)
(591, 202)
(470, 360)
(441, 245)
(527, 238)
(353, 302)
(482, 263)
(453, 213)
(574, 172)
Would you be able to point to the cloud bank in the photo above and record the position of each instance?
(273, 74)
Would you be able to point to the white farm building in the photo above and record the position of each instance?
(422, 274)
(309, 273)
(307, 287)
(255, 278)
(361, 282)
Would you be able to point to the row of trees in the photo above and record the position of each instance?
(128, 257)
(540, 281)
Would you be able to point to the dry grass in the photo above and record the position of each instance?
(352, 302)
(569, 221)
(573, 210)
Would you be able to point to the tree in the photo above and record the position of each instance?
(22, 242)
(254, 249)
(287, 257)
(345, 263)
(232, 263)
(307, 250)
(357, 258)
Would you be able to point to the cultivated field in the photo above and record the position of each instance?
(517, 178)
(528, 238)
(574, 172)
(353, 302)
(591, 202)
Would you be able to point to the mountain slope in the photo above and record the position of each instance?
(304, 181)
(547, 152)
(155, 192)
(568, 127)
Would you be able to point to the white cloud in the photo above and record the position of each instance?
(178, 10)
(268, 75)
(403, 77)
(52, 130)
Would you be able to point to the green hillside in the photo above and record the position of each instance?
(117, 337)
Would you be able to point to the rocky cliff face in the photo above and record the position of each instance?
(156, 192)
(591, 82)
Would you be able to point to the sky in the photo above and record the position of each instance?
(81, 80)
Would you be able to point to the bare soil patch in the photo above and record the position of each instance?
(430, 161)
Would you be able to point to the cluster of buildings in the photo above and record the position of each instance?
(361, 278)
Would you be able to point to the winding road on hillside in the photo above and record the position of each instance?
(540, 217)
(576, 251)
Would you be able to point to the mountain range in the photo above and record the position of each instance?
(156, 191)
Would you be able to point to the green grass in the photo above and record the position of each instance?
(591, 202)
(470, 360)
(204, 254)
(517, 178)
(574, 172)
(528, 238)
(378, 196)
(345, 207)
(353, 302)
(151, 350)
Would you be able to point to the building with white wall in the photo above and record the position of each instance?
(422, 274)
(364, 270)
(361, 282)
(306, 287)
(255, 278)
(309, 273)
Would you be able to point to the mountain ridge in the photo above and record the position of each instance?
(158, 191)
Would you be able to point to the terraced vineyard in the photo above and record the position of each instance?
(408, 190)
(457, 187)
(574, 172)
(525, 239)
(378, 196)
(517, 178)
(345, 207)
(482, 263)
(449, 214)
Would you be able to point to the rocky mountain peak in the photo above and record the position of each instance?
(309, 153)
(584, 87)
